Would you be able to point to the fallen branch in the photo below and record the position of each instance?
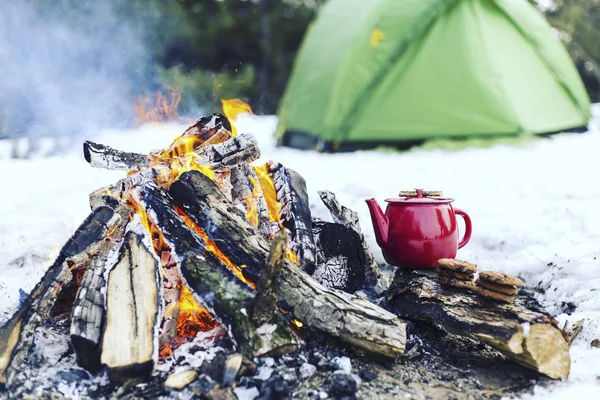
(530, 337)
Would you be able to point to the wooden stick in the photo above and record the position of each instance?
(132, 312)
(530, 337)
(230, 299)
(358, 322)
(266, 289)
(374, 278)
(16, 334)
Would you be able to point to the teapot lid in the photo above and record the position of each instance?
(420, 196)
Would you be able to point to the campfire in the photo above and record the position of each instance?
(198, 252)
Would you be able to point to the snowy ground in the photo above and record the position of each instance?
(534, 209)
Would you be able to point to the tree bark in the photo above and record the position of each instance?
(527, 335)
(268, 283)
(364, 325)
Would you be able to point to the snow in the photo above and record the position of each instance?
(534, 208)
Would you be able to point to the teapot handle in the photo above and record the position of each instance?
(467, 234)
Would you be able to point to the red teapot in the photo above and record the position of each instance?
(418, 229)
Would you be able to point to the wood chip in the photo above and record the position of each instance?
(490, 294)
(463, 276)
(179, 380)
(456, 265)
(500, 278)
(504, 289)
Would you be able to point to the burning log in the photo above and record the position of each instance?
(358, 322)
(529, 336)
(129, 349)
(247, 194)
(88, 312)
(217, 285)
(220, 156)
(17, 333)
(341, 260)
(295, 214)
(266, 289)
(375, 280)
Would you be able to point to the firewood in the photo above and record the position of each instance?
(87, 315)
(16, 334)
(295, 212)
(132, 309)
(247, 194)
(268, 283)
(525, 334)
(358, 322)
(340, 258)
(219, 156)
(230, 299)
(375, 280)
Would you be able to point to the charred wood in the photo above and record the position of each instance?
(230, 299)
(219, 156)
(132, 309)
(295, 212)
(88, 312)
(268, 283)
(341, 260)
(375, 280)
(529, 336)
(17, 333)
(358, 322)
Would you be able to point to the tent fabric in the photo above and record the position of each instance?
(382, 71)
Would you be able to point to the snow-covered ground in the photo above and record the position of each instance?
(535, 211)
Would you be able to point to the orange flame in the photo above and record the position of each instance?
(232, 108)
(252, 203)
(158, 106)
(213, 248)
(268, 189)
(297, 323)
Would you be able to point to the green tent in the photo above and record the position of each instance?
(373, 72)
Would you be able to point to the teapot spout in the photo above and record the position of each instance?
(380, 223)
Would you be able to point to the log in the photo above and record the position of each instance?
(227, 297)
(220, 156)
(16, 334)
(247, 194)
(340, 258)
(132, 312)
(266, 289)
(87, 314)
(375, 281)
(358, 322)
(295, 212)
(527, 335)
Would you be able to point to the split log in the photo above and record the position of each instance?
(375, 280)
(229, 299)
(220, 156)
(364, 325)
(247, 194)
(17, 333)
(132, 312)
(266, 289)
(340, 258)
(295, 212)
(87, 314)
(529, 336)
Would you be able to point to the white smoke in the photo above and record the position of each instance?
(67, 68)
